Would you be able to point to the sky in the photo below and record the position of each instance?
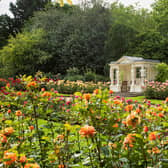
(4, 4)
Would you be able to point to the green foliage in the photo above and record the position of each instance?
(22, 10)
(160, 15)
(156, 90)
(24, 54)
(162, 72)
(150, 45)
(90, 130)
(6, 29)
(75, 37)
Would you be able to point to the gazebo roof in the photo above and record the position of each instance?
(129, 59)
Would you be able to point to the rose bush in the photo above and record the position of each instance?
(40, 128)
(156, 90)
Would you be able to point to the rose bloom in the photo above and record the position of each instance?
(129, 107)
(115, 125)
(60, 137)
(61, 166)
(23, 159)
(10, 157)
(19, 93)
(87, 96)
(166, 99)
(42, 89)
(110, 92)
(96, 91)
(152, 136)
(117, 101)
(31, 127)
(132, 120)
(18, 113)
(46, 94)
(9, 111)
(161, 115)
(87, 131)
(32, 84)
(31, 165)
(8, 130)
(128, 141)
(145, 129)
(3, 138)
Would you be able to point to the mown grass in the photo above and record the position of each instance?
(142, 98)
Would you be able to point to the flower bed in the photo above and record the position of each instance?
(91, 130)
(156, 90)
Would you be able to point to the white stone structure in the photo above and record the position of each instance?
(128, 74)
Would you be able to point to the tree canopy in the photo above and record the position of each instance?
(85, 37)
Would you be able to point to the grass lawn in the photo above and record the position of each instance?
(141, 98)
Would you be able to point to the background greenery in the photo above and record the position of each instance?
(85, 37)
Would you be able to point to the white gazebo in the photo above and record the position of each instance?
(128, 74)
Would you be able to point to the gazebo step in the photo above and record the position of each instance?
(128, 94)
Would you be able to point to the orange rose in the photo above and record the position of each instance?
(18, 93)
(128, 140)
(61, 166)
(166, 99)
(132, 120)
(87, 96)
(129, 107)
(46, 94)
(23, 159)
(31, 127)
(31, 165)
(9, 111)
(110, 92)
(96, 91)
(8, 131)
(42, 89)
(10, 157)
(3, 138)
(32, 84)
(18, 113)
(117, 101)
(161, 115)
(115, 125)
(152, 136)
(145, 129)
(87, 131)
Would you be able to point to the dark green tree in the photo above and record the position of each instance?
(6, 29)
(22, 10)
(75, 37)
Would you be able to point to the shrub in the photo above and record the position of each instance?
(156, 90)
(162, 72)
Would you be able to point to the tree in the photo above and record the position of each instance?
(24, 54)
(6, 29)
(24, 9)
(160, 14)
(75, 37)
(150, 45)
(162, 72)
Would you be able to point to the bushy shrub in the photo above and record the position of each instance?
(92, 76)
(162, 72)
(156, 90)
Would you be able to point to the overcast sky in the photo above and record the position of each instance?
(4, 4)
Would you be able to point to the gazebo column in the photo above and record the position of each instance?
(142, 75)
(111, 77)
(118, 79)
(132, 89)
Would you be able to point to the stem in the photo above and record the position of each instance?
(38, 134)
(89, 153)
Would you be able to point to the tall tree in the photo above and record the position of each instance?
(24, 9)
(160, 13)
(6, 29)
